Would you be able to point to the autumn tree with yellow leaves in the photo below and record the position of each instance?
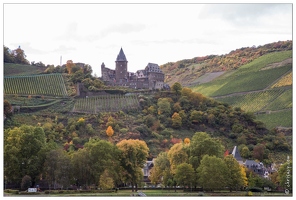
(109, 131)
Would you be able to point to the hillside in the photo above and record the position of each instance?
(263, 86)
(188, 72)
(162, 118)
(12, 69)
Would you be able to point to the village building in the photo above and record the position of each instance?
(255, 166)
(151, 77)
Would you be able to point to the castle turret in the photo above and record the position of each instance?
(121, 68)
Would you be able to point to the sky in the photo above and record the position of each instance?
(155, 33)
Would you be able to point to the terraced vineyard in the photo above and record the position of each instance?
(106, 103)
(45, 84)
(263, 87)
(250, 77)
(261, 101)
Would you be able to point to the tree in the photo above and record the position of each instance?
(285, 175)
(106, 180)
(186, 91)
(164, 106)
(103, 155)
(244, 175)
(258, 152)
(19, 56)
(7, 109)
(185, 175)
(212, 173)
(69, 66)
(234, 177)
(8, 58)
(58, 168)
(160, 169)
(23, 153)
(109, 131)
(177, 120)
(187, 141)
(202, 144)
(26, 182)
(134, 154)
(196, 116)
(176, 88)
(177, 155)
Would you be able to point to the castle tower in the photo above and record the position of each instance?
(121, 68)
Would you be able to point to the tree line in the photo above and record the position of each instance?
(17, 56)
(30, 158)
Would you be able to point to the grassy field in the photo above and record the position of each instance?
(12, 69)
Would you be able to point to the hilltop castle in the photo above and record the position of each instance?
(149, 78)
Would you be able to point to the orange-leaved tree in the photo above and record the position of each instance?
(109, 131)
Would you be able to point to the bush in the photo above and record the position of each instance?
(12, 191)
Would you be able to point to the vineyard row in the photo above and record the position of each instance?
(274, 99)
(106, 103)
(49, 84)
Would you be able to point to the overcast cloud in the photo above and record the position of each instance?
(157, 33)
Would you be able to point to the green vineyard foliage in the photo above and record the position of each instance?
(45, 84)
(261, 101)
(106, 103)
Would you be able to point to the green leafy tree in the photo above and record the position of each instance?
(285, 175)
(8, 58)
(133, 156)
(202, 144)
(196, 116)
(177, 88)
(234, 175)
(82, 167)
(57, 168)
(106, 180)
(164, 106)
(160, 169)
(212, 173)
(22, 152)
(102, 155)
(185, 175)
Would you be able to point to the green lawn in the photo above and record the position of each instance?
(150, 193)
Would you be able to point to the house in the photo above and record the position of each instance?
(146, 169)
(256, 167)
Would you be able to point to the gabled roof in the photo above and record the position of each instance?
(152, 67)
(121, 56)
(236, 154)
